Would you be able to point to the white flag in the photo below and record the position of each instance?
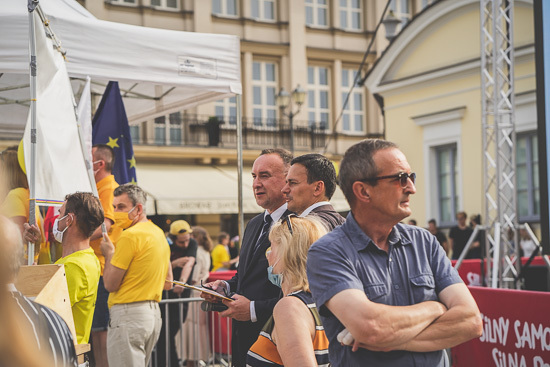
(84, 112)
(60, 165)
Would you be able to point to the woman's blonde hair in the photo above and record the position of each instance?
(293, 247)
(13, 175)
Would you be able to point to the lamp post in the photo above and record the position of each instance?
(390, 23)
(284, 98)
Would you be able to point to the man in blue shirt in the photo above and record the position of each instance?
(387, 293)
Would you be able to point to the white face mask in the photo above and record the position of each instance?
(95, 171)
(57, 234)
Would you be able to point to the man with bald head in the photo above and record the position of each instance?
(255, 295)
(52, 334)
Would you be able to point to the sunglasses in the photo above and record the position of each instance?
(402, 177)
(288, 222)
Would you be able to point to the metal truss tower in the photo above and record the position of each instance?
(499, 138)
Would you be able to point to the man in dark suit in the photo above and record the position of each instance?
(255, 295)
(310, 184)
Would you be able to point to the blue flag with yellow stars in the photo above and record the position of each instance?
(110, 126)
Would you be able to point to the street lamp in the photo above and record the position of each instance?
(390, 23)
(284, 98)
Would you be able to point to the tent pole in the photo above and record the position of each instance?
(32, 4)
(240, 166)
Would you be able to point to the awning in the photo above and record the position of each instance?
(195, 189)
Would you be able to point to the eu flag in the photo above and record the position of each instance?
(110, 126)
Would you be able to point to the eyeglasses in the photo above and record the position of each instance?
(403, 178)
(288, 222)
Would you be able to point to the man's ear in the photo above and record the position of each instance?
(319, 188)
(361, 190)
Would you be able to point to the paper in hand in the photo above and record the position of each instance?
(202, 289)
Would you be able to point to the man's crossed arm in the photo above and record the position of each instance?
(424, 327)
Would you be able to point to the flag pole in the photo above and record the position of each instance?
(31, 5)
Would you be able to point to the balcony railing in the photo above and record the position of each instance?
(204, 131)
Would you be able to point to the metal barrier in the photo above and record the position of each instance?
(204, 339)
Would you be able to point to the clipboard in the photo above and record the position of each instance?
(202, 289)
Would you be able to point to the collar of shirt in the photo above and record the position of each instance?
(316, 205)
(11, 287)
(277, 213)
(361, 241)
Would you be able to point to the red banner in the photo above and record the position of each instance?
(516, 330)
(470, 270)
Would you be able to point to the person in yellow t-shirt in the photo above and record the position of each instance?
(14, 200)
(103, 161)
(220, 253)
(79, 217)
(135, 274)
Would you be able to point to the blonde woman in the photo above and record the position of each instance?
(294, 335)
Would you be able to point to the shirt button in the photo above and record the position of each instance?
(396, 286)
(390, 258)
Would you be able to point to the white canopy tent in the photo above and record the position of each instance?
(159, 71)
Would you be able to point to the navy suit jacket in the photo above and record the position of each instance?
(251, 281)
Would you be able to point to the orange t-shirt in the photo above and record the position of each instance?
(105, 190)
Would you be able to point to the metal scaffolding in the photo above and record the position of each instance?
(499, 138)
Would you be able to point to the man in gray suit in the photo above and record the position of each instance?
(310, 184)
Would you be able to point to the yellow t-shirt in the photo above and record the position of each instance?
(16, 204)
(105, 191)
(141, 250)
(219, 256)
(82, 272)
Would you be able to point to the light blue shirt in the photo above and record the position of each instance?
(415, 269)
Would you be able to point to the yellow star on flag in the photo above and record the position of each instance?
(132, 162)
(113, 143)
(133, 182)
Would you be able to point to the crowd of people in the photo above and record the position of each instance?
(311, 287)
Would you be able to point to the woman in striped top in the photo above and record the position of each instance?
(294, 335)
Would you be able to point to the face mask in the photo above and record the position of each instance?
(95, 171)
(276, 279)
(57, 234)
(122, 220)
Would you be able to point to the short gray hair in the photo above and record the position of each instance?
(134, 192)
(358, 164)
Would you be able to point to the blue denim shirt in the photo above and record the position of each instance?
(415, 269)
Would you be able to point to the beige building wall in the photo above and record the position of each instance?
(431, 85)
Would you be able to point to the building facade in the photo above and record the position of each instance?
(430, 82)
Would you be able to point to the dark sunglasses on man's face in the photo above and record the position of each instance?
(402, 177)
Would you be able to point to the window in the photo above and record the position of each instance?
(447, 175)
(318, 96)
(165, 4)
(175, 128)
(401, 10)
(135, 133)
(317, 13)
(160, 130)
(350, 14)
(122, 2)
(224, 7)
(174, 131)
(263, 9)
(352, 118)
(226, 111)
(264, 88)
(527, 177)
